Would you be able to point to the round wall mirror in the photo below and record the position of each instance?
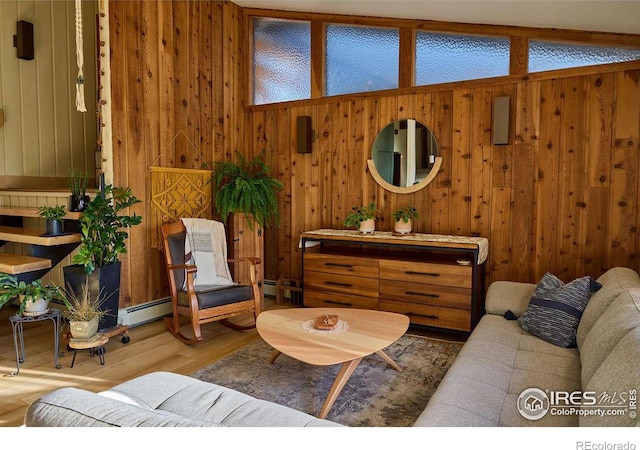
(404, 157)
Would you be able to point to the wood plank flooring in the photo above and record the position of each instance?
(151, 348)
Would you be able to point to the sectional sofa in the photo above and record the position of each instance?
(484, 386)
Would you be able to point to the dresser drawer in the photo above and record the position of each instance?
(317, 299)
(346, 284)
(338, 264)
(426, 294)
(435, 316)
(423, 272)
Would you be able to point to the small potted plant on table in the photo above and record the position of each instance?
(363, 218)
(404, 218)
(34, 296)
(53, 216)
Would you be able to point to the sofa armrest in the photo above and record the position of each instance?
(508, 295)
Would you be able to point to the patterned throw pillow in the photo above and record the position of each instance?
(555, 309)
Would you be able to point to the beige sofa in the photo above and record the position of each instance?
(497, 363)
(500, 361)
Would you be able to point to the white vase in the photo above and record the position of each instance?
(367, 226)
(83, 329)
(35, 308)
(402, 227)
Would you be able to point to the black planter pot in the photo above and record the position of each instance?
(104, 281)
(78, 203)
(54, 227)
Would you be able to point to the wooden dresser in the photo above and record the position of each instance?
(436, 280)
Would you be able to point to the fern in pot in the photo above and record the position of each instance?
(246, 187)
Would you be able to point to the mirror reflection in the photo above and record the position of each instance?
(404, 152)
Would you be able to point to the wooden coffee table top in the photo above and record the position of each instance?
(368, 332)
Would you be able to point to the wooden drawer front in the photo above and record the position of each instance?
(346, 284)
(435, 316)
(345, 265)
(419, 272)
(316, 299)
(426, 294)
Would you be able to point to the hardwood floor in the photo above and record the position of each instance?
(151, 348)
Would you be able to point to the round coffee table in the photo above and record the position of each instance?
(361, 332)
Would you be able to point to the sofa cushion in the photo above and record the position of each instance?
(614, 282)
(503, 296)
(555, 309)
(79, 408)
(618, 378)
(497, 363)
(622, 316)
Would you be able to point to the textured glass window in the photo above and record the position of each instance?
(281, 60)
(361, 59)
(554, 55)
(443, 58)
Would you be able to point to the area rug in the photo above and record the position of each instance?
(375, 396)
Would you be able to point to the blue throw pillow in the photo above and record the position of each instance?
(555, 309)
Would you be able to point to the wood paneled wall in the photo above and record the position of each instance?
(561, 197)
(177, 89)
(44, 136)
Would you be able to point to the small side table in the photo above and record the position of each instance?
(17, 324)
(95, 345)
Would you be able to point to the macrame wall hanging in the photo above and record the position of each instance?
(178, 193)
(80, 106)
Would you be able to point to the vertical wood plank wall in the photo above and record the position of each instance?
(562, 196)
(176, 66)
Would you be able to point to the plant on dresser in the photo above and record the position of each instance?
(404, 218)
(363, 218)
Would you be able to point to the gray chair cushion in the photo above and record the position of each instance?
(209, 296)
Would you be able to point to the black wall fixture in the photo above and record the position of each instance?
(23, 40)
(304, 134)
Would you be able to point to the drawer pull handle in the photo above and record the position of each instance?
(422, 294)
(333, 302)
(428, 316)
(346, 266)
(335, 283)
(427, 274)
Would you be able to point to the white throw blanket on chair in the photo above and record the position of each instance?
(206, 247)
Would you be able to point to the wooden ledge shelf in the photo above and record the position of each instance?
(31, 211)
(33, 236)
(16, 264)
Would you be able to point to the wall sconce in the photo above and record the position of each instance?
(500, 120)
(23, 40)
(304, 134)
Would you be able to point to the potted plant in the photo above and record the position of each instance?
(83, 312)
(404, 218)
(363, 218)
(103, 229)
(53, 216)
(246, 187)
(78, 182)
(34, 296)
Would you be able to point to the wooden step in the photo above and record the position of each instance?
(31, 211)
(34, 236)
(14, 264)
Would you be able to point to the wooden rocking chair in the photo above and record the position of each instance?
(203, 304)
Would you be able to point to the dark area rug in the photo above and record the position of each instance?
(375, 396)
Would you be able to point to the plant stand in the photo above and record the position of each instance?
(17, 323)
(94, 344)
